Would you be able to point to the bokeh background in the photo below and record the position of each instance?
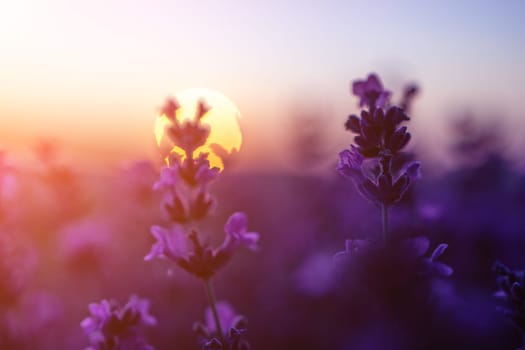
(81, 84)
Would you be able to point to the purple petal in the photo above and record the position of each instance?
(236, 224)
(141, 305)
(171, 243)
(205, 174)
(237, 233)
(373, 83)
(383, 99)
(168, 178)
(358, 88)
(250, 240)
(413, 170)
(438, 251)
(89, 325)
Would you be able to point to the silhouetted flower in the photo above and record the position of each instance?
(186, 200)
(170, 109)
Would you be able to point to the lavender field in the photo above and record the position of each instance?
(266, 175)
(380, 251)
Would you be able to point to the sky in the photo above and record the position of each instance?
(92, 74)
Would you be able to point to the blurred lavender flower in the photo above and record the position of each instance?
(512, 292)
(8, 181)
(234, 327)
(316, 276)
(352, 247)
(111, 327)
(412, 249)
(17, 262)
(35, 311)
(86, 243)
(418, 247)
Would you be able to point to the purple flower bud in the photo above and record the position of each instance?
(370, 92)
(170, 108)
(353, 124)
(202, 109)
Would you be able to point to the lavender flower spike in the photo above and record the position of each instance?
(371, 92)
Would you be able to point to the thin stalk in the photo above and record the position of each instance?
(213, 305)
(384, 217)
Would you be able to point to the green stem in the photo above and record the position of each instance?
(384, 217)
(213, 305)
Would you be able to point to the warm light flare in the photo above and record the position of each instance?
(223, 119)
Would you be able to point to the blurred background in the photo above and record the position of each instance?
(81, 84)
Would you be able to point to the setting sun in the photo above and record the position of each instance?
(222, 118)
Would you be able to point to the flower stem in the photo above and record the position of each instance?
(384, 217)
(213, 306)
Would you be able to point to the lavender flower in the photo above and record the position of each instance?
(352, 248)
(381, 138)
(418, 247)
(110, 327)
(512, 292)
(185, 201)
(233, 331)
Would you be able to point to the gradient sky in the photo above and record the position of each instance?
(93, 73)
